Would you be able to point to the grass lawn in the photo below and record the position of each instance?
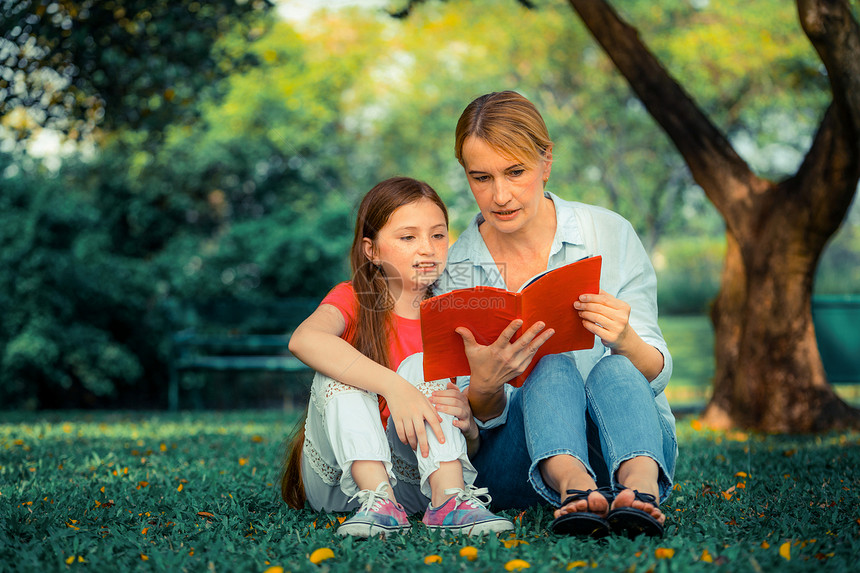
(197, 492)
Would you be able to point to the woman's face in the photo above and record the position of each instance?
(412, 246)
(509, 192)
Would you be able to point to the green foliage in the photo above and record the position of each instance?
(113, 249)
(688, 274)
(173, 492)
(229, 157)
(73, 317)
(839, 269)
(81, 66)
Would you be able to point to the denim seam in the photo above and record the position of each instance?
(601, 430)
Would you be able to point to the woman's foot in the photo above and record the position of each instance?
(627, 498)
(595, 502)
(583, 512)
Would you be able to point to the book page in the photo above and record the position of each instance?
(550, 299)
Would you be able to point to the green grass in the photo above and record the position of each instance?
(65, 495)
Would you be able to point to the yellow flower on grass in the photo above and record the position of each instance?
(516, 565)
(469, 552)
(432, 559)
(706, 557)
(514, 542)
(575, 564)
(785, 550)
(765, 544)
(243, 461)
(70, 560)
(274, 569)
(664, 553)
(321, 555)
(144, 557)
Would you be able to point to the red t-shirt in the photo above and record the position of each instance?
(405, 340)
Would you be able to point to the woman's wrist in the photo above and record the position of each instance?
(487, 405)
(645, 357)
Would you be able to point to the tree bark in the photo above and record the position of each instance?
(769, 374)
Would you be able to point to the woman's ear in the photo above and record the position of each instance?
(548, 154)
(547, 167)
(367, 245)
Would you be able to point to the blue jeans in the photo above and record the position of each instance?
(602, 422)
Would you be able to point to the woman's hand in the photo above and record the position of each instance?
(409, 410)
(452, 401)
(609, 319)
(606, 317)
(493, 365)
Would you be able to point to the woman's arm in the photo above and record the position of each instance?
(608, 318)
(317, 343)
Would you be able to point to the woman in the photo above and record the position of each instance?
(584, 417)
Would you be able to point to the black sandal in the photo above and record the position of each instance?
(582, 522)
(632, 522)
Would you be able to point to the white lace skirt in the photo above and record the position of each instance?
(343, 426)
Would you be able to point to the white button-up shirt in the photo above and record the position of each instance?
(581, 231)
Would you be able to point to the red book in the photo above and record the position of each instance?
(487, 311)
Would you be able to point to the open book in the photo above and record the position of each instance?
(487, 311)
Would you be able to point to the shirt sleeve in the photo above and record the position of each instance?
(342, 297)
(639, 290)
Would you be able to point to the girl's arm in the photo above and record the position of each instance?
(453, 401)
(317, 342)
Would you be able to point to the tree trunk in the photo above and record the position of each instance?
(769, 374)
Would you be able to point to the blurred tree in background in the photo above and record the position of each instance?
(88, 66)
(213, 154)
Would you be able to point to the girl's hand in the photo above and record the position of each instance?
(606, 317)
(410, 409)
(452, 401)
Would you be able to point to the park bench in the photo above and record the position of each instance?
(837, 330)
(223, 353)
(236, 337)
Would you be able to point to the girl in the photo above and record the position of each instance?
(356, 340)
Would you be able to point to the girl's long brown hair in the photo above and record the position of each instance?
(374, 320)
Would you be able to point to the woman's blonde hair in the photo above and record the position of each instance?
(508, 122)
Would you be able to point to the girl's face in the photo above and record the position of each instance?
(509, 192)
(412, 247)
